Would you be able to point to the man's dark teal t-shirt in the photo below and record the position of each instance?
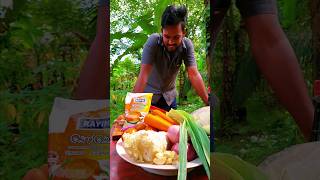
(162, 80)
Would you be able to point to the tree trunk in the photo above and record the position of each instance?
(182, 83)
(227, 109)
(315, 26)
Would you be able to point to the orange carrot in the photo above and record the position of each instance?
(154, 107)
(157, 122)
(163, 116)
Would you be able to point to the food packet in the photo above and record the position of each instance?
(79, 139)
(138, 103)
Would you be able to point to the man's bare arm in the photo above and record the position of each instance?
(142, 78)
(278, 63)
(94, 76)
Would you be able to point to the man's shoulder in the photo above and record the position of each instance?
(154, 35)
(153, 38)
(188, 43)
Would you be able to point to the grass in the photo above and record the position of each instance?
(26, 149)
(267, 130)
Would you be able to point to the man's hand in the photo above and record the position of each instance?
(197, 83)
(143, 78)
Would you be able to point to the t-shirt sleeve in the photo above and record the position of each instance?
(149, 49)
(190, 59)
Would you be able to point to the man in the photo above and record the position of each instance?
(162, 57)
(274, 56)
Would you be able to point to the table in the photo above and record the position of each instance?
(122, 170)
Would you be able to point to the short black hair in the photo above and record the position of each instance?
(173, 15)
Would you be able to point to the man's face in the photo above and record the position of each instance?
(172, 36)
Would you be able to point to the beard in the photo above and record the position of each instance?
(171, 47)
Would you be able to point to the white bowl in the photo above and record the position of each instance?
(164, 170)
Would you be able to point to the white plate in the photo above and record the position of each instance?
(164, 170)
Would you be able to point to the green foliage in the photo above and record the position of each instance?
(41, 53)
(158, 10)
(247, 75)
(121, 73)
(289, 11)
(117, 103)
(22, 153)
(183, 140)
(267, 127)
(267, 130)
(235, 168)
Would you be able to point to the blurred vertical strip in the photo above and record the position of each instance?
(315, 27)
(316, 102)
(108, 76)
(95, 71)
(210, 43)
(218, 9)
(106, 3)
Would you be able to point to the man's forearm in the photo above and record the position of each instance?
(94, 76)
(198, 85)
(140, 84)
(279, 65)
